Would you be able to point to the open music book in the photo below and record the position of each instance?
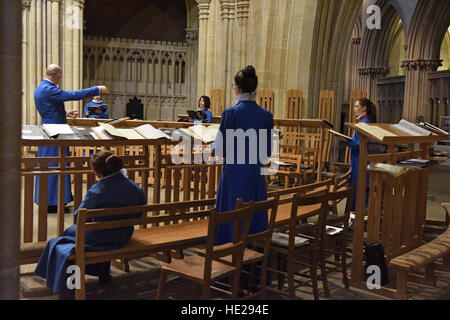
(375, 131)
(54, 130)
(32, 132)
(150, 132)
(411, 128)
(146, 131)
(206, 134)
(339, 134)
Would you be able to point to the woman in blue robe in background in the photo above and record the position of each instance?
(96, 102)
(204, 103)
(111, 191)
(49, 100)
(243, 180)
(365, 112)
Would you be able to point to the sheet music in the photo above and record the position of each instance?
(410, 128)
(150, 132)
(375, 131)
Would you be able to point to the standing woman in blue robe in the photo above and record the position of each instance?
(49, 100)
(99, 114)
(365, 112)
(113, 190)
(243, 179)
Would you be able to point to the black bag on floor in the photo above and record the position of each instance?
(374, 254)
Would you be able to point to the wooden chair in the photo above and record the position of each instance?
(337, 232)
(217, 101)
(294, 105)
(326, 111)
(260, 240)
(302, 150)
(340, 182)
(204, 270)
(266, 100)
(303, 238)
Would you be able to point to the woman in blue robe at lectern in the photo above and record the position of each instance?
(113, 190)
(49, 100)
(242, 175)
(365, 112)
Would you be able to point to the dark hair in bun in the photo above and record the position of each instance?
(106, 163)
(371, 109)
(246, 79)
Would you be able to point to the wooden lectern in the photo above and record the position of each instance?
(396, 210)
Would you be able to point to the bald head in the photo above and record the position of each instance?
(54, 73)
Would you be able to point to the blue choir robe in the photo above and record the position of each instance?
(103, 115)
(49, 100)
(354, 161)
(242, 180)
(208, 114)
(110, 192)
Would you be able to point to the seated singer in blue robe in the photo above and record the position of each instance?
(111, 191)
(49, 101)
(245, 180)
(96, 102)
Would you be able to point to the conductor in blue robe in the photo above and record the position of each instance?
(113, 190)
(243, 179)
(365, 112)
(99, 114)
(49, 100)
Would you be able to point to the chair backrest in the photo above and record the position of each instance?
(341, 181)
(326, 111)
(265, 100)
(316, 226)
(338, 196)
(294, 105)
(217, 101)
(241, 218)
(286, 195)
(269, 205)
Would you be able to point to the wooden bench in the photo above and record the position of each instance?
(425, 256)
(182, 225)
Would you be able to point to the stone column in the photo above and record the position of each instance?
(369, 81)
(227, 13)
(242, 13)
(26, 114)
(192, 67)
(417, 87)
(72, 49)
(10, 134)
(354, 53)
(203, 16)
